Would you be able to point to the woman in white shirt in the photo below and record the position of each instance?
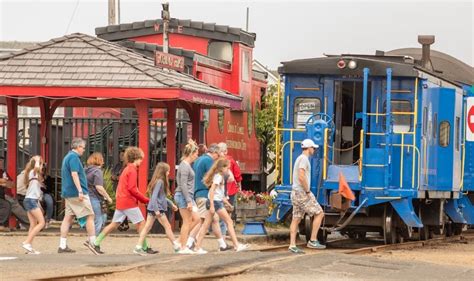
(214, 179)
(33, 179)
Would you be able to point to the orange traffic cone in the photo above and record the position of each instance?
(344, 188)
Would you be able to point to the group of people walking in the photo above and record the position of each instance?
(200, 196)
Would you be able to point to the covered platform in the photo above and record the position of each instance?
(80, 70)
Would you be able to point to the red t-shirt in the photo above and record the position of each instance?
(127, 195)
(232, 187)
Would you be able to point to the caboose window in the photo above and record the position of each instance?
(456, 133)
(245, 65)
(402, 122)
(303, 109)
(220, 50)
(444, 128)
(425, 120)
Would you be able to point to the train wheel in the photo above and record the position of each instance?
(359, 235)
(425, 233)
(457, 228)
(390, 234)
(322, 236)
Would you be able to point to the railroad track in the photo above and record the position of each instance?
(332, 245)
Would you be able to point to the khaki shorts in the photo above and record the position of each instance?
(304, 204)
(202, 210)
(74, 207)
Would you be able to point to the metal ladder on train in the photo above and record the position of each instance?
(388, 128)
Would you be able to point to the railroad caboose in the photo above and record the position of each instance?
(393, 126)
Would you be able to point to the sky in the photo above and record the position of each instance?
(286, 30)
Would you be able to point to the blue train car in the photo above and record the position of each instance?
(394, 127)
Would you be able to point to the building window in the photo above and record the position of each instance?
(457, 133)
(250, 120)
(205, 117)
(220, 120)
(303, 109)
(444, 128)
(425, 120)
(402, 122)
(245, 66)
(220, 50)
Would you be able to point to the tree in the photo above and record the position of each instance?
(265, 121)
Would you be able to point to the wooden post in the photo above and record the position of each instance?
(195, 116)
(143, 142)
(12, 147)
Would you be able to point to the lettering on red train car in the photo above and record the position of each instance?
(169, 61)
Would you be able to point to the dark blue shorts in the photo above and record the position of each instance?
(30, 204)
(217, 205)
(153, 213)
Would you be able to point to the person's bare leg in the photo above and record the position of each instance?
(204, 228)
(65, 225)
(36, 224)
(186, 215)
(293, 230)
(195, 231)
(316, 224)
(216, 229)
(230, 225)
(146, 229)
(163, 220)
(90, 227)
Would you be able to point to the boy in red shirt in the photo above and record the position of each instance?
(127, 197)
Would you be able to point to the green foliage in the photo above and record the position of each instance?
(109, 187)
(265, 121)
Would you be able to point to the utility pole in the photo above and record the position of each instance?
(114, 12)
(247, 20)
(165, 16)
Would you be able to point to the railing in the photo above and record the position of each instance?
(105, 135)
(291, 142)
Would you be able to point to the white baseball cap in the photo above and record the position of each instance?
(307, 143)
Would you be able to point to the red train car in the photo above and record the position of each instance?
(220, 56)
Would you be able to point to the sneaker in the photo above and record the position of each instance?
(185, 251)
(200, 251)
(29, 249)
(226, 248)
(295, 250)
(34, 252)
(65, 250)
(314, 244)
(93, 248)
(151, 251)
(242, 247)
(140, 251)
(176, 247)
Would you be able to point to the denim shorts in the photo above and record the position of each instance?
(153, 213)
(30, 204)
(217, 205)
(181, 201)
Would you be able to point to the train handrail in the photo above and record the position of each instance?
(291, 157)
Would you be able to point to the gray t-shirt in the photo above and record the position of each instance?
(302, 162)
(185, 181)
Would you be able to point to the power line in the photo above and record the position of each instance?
(72, 17)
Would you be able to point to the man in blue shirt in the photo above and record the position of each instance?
(201, 166)
(75, 193)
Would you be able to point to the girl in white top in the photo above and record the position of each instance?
(33, 179)
(214, 179)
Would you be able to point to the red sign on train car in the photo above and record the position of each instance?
(470, 120)
(169, 61)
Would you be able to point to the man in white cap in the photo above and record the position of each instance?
(303, 199)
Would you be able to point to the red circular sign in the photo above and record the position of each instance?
(470, 119)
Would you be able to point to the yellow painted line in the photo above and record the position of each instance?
(388, 198)
(306, 89)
